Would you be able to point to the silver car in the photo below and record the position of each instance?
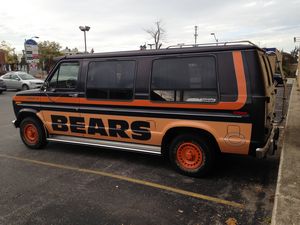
(21, 81)
(2, 86)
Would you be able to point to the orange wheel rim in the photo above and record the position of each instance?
(30, 133)
(189, 156)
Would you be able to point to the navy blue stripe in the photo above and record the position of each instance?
(142, 112)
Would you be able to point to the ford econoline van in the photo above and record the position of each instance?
(188, 104)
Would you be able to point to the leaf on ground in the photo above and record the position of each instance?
(258, 189)
(231, 221)
(180, 211)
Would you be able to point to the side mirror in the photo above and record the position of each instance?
(45, 86)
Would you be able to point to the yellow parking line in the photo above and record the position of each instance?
(128, 179)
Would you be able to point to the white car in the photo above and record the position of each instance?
(21, 81)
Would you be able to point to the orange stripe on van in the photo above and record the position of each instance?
(238, 104)
(231, 137)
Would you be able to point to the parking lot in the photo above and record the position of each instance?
(69, 184)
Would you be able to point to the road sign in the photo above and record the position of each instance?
(31, 51)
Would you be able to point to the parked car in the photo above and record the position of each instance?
(277, 79)
(2, 86)
(21, 81)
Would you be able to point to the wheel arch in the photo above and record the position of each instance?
(175, 131)
(25, 84)
(27, 113)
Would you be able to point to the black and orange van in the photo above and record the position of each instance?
(188, 104)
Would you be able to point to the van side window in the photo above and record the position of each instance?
(190, 79)
(65, 76)
(110, 80)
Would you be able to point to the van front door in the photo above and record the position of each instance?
(60, 102)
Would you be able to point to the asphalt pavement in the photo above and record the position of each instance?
(71, 184)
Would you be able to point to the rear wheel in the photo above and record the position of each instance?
(32, 133)
(192, 155)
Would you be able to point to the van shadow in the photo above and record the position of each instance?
(231, 167)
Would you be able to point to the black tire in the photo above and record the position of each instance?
(32, 133)
(25, 87)
(192, 155)
(1, 92)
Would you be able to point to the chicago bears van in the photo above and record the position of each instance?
(188, 104)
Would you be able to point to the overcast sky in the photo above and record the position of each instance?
(120, 25)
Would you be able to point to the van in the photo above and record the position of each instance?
(188, 104)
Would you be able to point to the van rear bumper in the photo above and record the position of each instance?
(261, 152)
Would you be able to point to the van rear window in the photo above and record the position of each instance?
(227, 77)
(110, 80)
(185, 79)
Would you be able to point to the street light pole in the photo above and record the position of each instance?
(196, 35)
(213, 34)
(151, 46)
(84, 29)
(84, 33)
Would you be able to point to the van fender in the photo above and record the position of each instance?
(206, 126)
(230, 137)
(26, 113)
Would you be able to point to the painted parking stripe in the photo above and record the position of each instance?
(128, 179)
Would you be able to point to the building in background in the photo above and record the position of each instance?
(282, 62)
(298, 70)
(289, 64)
(275, 57)
(68, 51)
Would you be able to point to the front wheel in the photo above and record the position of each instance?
(32, 133)
(25, 87)
(192, 155)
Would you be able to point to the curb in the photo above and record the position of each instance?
(286, 205)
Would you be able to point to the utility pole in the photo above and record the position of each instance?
(196, 35)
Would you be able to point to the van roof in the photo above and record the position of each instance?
(163, 51)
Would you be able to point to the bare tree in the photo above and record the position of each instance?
(157, 33)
